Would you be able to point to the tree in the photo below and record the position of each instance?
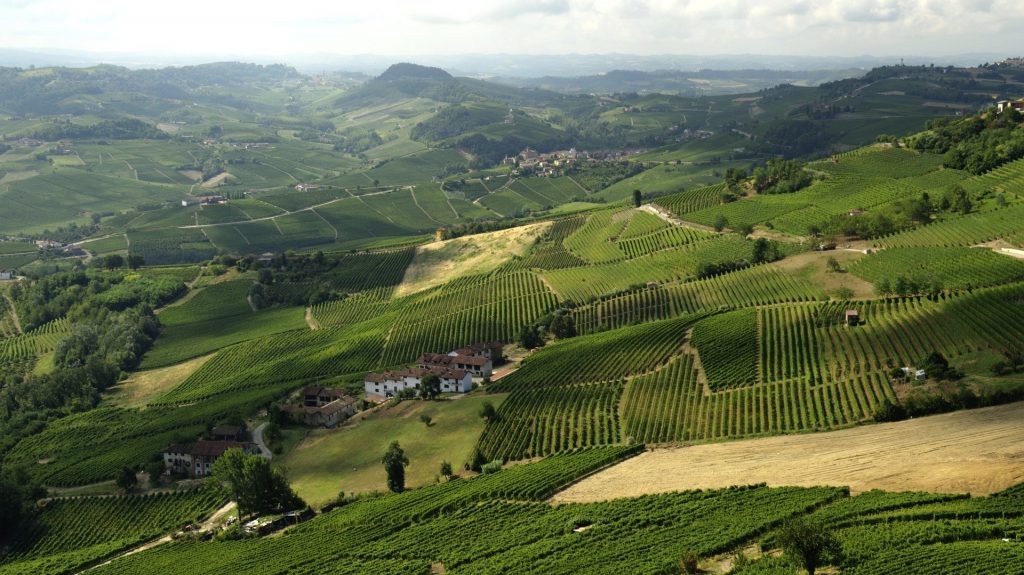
(394, 462)
(430, 387)
(18, 494)
(446, 470)
(488, 412)
(113, 261)
(426, 419)
(135, 262)
(638, 198)
(810, 543)
(254, 484)
(563, 326)
(126, 479)
(529, 339)
(833, 264)
(155, 472)
(720, 223)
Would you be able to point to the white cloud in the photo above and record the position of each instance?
(235, 27)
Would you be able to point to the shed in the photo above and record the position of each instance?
(852, 317)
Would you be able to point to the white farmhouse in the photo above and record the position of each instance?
(389, 383)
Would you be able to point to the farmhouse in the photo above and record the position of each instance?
(196, 459)
(317, 396)
(1004, 105)
(6, 275)
(306, 187)
(478, 366)
(492, 350)
(330, 414)
(389, 383)
(228, 433)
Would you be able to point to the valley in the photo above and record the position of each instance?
(609, 330)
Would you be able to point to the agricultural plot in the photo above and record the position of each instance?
(550, 253)
(553, 420)
(949, 268)
(757, 285)
(93, 446)
(76, 524)
(167, 246)
(66, 194)
(727, 344)
(356, 308)
(692, 200)
(971, 229)
(593, 241)
(607, 356)
(530, 537)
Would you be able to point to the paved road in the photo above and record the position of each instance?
(257, 438)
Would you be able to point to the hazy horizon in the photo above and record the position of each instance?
(307, 29)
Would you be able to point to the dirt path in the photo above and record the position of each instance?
(14, 313)
(652, 209)
(310, 320)
(978, 451)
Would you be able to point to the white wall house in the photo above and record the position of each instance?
(389, 383)
(479, 366)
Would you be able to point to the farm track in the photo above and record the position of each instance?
(14, 313)
(661, 213)
(289, 212)
(977, 451)
(208, 525)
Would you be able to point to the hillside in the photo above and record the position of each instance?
(738, 272)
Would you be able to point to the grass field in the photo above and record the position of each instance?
(970, 451)
(348, 458)
(440, 262)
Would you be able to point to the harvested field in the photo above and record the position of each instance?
(978, 451)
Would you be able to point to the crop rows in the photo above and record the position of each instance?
(950, 268)
(645, 535)
(94, 446)
(39, 341)
(972, 229)
(727, 344)
(790, 345)
(593, 240)
(477, 310)
(273, 360)
(353, 309)
(664, 238)
(579, 284)
(600, 357)
(70, 524)
(553, 420)
(758, 285)
(671, 406)
(692, 200)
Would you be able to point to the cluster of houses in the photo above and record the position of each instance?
(455, 370)
(550, 164)
(196, 459)
(204, 201)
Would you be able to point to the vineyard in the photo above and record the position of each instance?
(949, 268)
(74, 524)
(525, 536)
(727, 344)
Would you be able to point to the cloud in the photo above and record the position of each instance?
(409, 27)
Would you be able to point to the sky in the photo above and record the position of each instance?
(385, 27)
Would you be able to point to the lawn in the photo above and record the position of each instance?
(349, 457)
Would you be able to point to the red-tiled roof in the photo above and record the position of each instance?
(204, 448)
(440, 359)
